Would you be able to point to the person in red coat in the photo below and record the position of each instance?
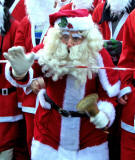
(84, 4)
(111, 16)
(11, 118)
(60, 130)
(30, 33)
(16, 8)
(127, 92)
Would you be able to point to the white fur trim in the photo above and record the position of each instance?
(124, 91)
(108, 109)
(12, 81)
(27, 90)
(42, 100)
(19, 104)
(100, 120)
(83, 4)
(70, 127)
(112, 90)
(118, 27)
(11, 118)
(60, 4)
(31, 110)
(127, 127)
(13, 6)
(42, 151)
(78, 23)
(118, 6)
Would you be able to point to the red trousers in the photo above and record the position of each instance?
(127, 145)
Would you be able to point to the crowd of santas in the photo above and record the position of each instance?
(48, 108)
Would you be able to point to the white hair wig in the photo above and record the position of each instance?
(57, 61)
(38, 10)
(118, 6)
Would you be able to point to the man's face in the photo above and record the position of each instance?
(71, 38)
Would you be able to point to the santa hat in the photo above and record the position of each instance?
(74, 20)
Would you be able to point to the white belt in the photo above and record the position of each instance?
(127, 127)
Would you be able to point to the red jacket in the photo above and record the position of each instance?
(10, 114)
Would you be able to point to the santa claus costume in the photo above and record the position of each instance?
(30, 33)
(127, 87)
(111, 16)
(110, 11)
(10, 115)
(84, 4)
(62, 133)
(16, 8)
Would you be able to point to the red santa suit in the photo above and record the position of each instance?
(10, 114)
(25, 37)
(106, 26)
(73, 137)
(127, 87)
(92, 6)
(17, 10)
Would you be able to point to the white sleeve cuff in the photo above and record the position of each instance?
(124, 91)
(100, 120)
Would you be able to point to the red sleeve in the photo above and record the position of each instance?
(97, 14)
(127, 58)
(20, 34)
(14, 27)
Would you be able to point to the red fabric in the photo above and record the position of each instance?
(24, 35)
(47, 128)
(24, 38)
(127, 59)
(104, 27)
(29, 118)
(95, 3)
(19, 11)
(127, 145)
(68, 13)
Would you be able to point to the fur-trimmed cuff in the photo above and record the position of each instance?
(42, 100)
(100, 120)
(124, 91)
(15, 82)
(108, 109)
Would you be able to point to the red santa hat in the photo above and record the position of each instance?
(74, 20)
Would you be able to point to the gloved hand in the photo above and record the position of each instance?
(37, 84)
(20, 62)
(114, 47)
(89, 105)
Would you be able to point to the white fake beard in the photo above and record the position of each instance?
(118, 6)
(54, 65)
(39, 10)
(85, 4)
(1, 18)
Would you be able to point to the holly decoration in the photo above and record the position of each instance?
(63, 22)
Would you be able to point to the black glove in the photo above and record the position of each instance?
(114, 47)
